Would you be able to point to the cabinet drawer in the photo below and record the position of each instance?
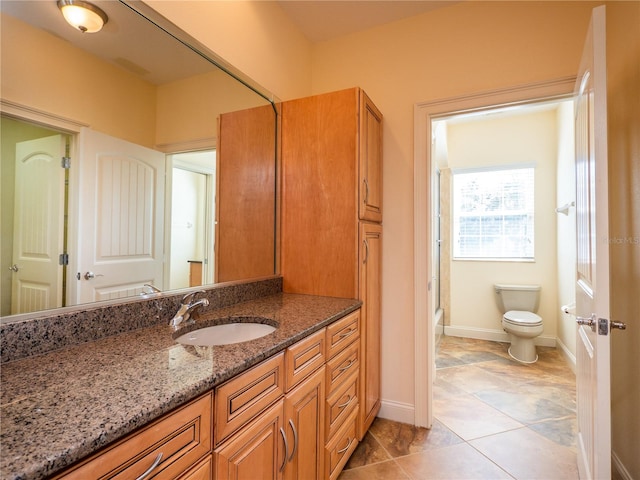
(178, 441)
(342, 333)
(342, 366)
(340, 404)
(202, 471)
(341, 447)
(243, 397)
(304, 357)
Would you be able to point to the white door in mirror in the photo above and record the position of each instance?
(225, 334)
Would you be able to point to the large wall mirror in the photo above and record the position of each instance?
(131, 160)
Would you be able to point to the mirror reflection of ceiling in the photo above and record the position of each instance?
(139, 47)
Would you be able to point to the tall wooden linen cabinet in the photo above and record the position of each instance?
(332, 215)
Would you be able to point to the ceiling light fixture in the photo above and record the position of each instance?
(83, 16)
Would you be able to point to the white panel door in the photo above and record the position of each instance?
(38, 225)
(592, 290)
(121, 219)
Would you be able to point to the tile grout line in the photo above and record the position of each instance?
(552, 378)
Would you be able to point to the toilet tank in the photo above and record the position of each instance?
(518, 297)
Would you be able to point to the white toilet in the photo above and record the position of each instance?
(519, 303)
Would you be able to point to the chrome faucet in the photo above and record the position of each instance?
(186, 308)
(149, 289)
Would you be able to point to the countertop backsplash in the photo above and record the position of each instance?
(44, 334)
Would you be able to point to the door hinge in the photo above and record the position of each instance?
(63, 259)
(66, 162)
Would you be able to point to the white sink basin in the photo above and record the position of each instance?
(225, 334)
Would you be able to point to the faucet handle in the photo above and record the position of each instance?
(152, 287)
(189, 296)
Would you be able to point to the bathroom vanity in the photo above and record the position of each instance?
(111, 406)
(104, 389)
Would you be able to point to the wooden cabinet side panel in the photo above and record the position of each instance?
(319, 194)
(370, 337)
(246, 178)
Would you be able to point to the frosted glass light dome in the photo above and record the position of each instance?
(82, 15)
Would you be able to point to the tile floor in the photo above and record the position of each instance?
(494, 418)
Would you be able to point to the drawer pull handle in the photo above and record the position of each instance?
(366, 191)
(295, 439)
(346, 333)
(347, 366)
(366, 251)
(286, 449)
(155, 463)
(345, 448)
(342, 405)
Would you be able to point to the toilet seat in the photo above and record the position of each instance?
(522, 318)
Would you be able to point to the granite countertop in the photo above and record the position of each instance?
(59, 407)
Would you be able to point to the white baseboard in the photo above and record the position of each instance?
(397, 411)
(493, 335)
(570, 357)
(619, 466)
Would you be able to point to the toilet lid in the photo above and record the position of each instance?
(520, 317)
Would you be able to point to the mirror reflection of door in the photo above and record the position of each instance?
(121, 218)
(192, 219)
(38, 225)
(32, 217)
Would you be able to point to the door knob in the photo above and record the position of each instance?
(589, 322)
(14, 268)
(90, 275)
(618, 325)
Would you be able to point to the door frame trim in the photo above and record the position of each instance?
(424, 113)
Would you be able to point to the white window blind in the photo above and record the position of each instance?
(493, 213)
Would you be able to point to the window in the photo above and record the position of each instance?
(493, 213)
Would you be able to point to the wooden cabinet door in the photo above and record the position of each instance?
(370, 292)
(304, 414)
(245, 237)
(370, 168)
(256, 451)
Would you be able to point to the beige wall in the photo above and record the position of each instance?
(623, 79)
(457, 50)
(526, 138)
(67, 81)
(257, 38)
